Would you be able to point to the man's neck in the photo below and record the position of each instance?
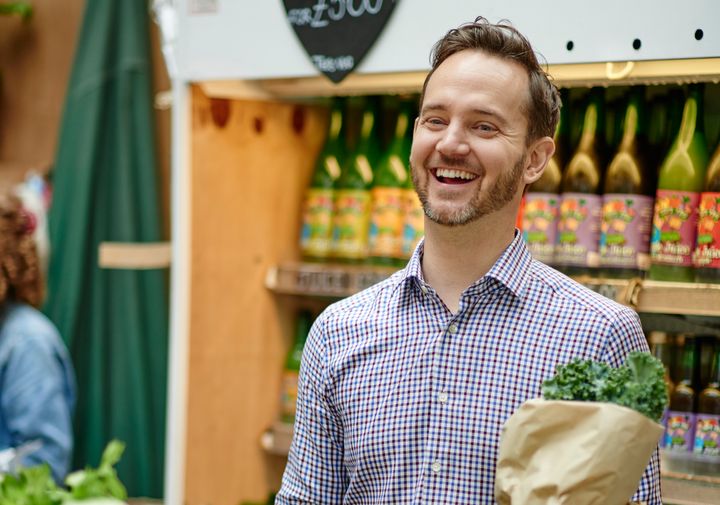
(456, 257)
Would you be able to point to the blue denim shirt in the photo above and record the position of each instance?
(37, 388)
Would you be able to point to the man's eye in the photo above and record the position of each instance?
(485, 128)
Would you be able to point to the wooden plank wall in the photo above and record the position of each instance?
(250, 164)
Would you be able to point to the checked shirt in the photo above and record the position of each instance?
(401, 401)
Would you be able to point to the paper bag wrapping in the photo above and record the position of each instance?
(566, 452)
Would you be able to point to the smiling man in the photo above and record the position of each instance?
(404, 387)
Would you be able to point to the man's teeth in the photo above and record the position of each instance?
(455, 174)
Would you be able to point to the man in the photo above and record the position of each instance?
(404, 387)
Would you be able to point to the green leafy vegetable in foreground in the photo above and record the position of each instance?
(639, 384)
(35, 485)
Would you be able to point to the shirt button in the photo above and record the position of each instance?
(443, 397)
(424, 289)
(435, 467)
(452, 329)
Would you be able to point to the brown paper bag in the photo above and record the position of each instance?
(563, 452)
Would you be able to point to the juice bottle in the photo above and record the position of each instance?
(627, 202)
(661, 350)
(351, 221)
(387, 207)
(316, 230)
(414, 215)
(291, 370)
(681, 179)
(707, 250)
(542, 200)
(707, 426)
(580, 202)
(680, 423)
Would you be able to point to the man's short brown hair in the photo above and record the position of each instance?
(504, 41)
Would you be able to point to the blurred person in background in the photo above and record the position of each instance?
(37, 382)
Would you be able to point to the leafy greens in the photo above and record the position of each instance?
(639, 384)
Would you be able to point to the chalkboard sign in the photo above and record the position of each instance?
(337, 34)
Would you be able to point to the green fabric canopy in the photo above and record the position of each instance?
(115, 322)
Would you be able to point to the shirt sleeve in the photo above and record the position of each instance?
(37, 402)
(626, 335)
(315, 470)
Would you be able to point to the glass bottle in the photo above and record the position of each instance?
(707, 425)
(291, 370)
(680, 424)
(542, 200)
(387, 207)
(351, 220)
(414, 215)
(661, 350)
(580, 202)
(681, 179)
(707, 250)
(316, 230)
(627, 202)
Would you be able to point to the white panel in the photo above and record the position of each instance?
(252, 39)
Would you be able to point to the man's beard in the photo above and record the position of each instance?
(495, 198)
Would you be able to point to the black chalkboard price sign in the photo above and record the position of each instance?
(337, 34)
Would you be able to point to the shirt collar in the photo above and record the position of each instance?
(509, 270)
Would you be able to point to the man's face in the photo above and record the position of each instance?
(469, 151)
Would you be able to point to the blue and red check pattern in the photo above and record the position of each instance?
(401, 401)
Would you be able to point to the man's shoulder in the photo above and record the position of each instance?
(369, 299)
(567, 291)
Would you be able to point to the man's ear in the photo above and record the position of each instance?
(539, 155)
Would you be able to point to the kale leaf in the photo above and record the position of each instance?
(639, 384)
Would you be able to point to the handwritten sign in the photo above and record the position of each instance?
(337, 34)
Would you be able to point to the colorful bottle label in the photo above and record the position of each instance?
(289, 394)
(625, 231)
(707, 251)
(674, 227)
(707, 435)
(679, 431)
(540, 224)
(351, 223)
(579, 230)
(316, 231)
(386, 222)
(413, 223)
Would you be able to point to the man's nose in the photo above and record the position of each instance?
(453, 142)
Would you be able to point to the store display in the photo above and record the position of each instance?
(316, 232)
(291, 369)
(707, 250)
(681, 179)
(580, 204)
(627, 202)
(680, 420)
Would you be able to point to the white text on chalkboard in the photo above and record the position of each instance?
(324, 11)
(333, 64)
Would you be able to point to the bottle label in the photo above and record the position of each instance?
(707, 252)
(579, 230)
(674, 227)
(351, 223)
(663, 422)
(707, 435)
(540, 223)
(413, 223)
(316, 232)
(386, 222)
(289, 393)
(625, 231)
(679, 431)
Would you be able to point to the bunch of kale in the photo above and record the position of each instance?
(639, 384)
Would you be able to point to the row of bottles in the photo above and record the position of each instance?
(631, 213)
(361, 204)
(692, 421)
(291, 367)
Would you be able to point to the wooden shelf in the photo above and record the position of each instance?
(337, 281)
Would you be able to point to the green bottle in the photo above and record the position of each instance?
(413, 213)
(351, 221)
(542, 200)
(707, 425)
(627, 199)
(316, 230)
(291, 370)
(707, 250)
(577, 251)
(386, 215)
(680, 181)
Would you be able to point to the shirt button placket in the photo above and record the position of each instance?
(436, 466)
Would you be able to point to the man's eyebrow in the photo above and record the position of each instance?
(438, 107)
